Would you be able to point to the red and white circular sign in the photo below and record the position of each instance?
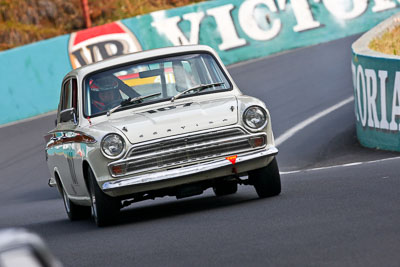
(101, 42)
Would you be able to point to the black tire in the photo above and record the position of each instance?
(75, 212)
(266, 180)
(225, 188)
(105, 209)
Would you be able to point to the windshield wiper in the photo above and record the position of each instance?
(199, 88)
(130, 101)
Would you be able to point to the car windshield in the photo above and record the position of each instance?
(153, 81)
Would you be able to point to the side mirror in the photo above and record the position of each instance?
(68, 115)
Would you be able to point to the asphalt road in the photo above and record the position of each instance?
(346, 215)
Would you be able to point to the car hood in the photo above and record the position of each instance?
(174, 119)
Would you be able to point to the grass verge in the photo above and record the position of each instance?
(388, 43)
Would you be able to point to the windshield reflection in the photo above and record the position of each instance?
(164, 79)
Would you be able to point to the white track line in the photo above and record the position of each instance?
(340, 166)
(298, 127)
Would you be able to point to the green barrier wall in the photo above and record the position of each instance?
(376, 80)
(31, 78)
(238, 30)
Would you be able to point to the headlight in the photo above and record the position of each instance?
(255, 117)
(112, 146)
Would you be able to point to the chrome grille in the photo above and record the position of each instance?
(183, 151)
(185, 141)
(168, 160)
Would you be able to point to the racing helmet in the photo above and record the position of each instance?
(103, 84)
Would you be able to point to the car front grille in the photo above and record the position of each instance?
(185, 142)
(186, 150)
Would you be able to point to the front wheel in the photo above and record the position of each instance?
(105, 209)
(266, 180)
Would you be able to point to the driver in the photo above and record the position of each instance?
(104, 91)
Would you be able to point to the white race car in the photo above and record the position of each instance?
(163, 122)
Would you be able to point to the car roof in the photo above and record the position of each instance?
(137, 56)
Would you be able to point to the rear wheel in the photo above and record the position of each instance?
(266, 180)
(74, 211)
(105, 209)
(225, 188)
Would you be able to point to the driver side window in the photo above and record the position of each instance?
(69, 96)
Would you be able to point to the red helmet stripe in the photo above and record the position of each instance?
(98, 105)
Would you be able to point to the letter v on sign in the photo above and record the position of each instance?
(232, 159)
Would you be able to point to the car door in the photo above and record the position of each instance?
(66, 126)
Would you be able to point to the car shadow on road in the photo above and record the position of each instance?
(171, 207)
(151, 210)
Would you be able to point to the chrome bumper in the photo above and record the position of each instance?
(185, 171)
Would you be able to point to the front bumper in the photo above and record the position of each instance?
(198, 172)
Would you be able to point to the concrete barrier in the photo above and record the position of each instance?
(238, 30)
(376, 78)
